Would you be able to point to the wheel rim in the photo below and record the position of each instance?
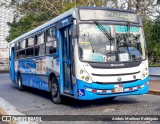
(19, 82)
(54, 89)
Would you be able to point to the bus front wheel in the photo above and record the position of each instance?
(55, 91)
(20, 86)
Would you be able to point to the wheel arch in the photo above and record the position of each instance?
(52, 74)
(18, 74)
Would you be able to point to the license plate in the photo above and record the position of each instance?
(118, 88)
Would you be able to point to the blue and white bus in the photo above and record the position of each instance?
(85, 53)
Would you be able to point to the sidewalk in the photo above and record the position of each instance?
(154, 87)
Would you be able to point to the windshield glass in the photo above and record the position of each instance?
(127, 44)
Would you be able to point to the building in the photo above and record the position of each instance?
(6, 15)
(4, 54)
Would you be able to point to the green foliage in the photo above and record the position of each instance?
(25, 24)
(154, 65)
(35, 13)
(152, 34)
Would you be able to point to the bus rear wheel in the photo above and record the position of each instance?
(20, 86)
(55, 91)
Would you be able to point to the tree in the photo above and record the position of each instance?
(34, 14)
(37, 12)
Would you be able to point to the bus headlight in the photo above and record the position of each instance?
(85, 76)
(144, 73)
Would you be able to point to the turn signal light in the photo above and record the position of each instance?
(82, 77)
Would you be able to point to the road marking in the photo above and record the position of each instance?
(108, 110)
(8, 108)
(11, 110)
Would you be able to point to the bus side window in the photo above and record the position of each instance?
(30, 42)
(51, 43)
(40, 50)
(40, 45)
(29, 52)
(21, 53)
(35, 39)
(29, 47)
(40, 38)
(16, 55)
(22, 44)
(16, 46)
(16, 51)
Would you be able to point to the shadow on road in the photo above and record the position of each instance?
(99, 102)
(70, 102)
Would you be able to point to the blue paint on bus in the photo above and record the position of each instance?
(92, 95)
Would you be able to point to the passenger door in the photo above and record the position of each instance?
(66, 56)
(12, 68)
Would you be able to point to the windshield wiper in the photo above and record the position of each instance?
(105, 32)
(102, 28)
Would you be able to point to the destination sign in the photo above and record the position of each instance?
(107, 15)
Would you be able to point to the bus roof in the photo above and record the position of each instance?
(62, 16)
(52, 21)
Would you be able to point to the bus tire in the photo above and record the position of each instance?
(55, 91)
(19, 80)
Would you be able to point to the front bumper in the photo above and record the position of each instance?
(96, 91)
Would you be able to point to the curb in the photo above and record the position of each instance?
(9, 109)
(3, 113)
(154, 92)
(155, 75)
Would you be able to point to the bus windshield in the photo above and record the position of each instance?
(128, 43)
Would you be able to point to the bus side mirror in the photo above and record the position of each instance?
(75, 31)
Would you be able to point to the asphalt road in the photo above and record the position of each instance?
(33, 102)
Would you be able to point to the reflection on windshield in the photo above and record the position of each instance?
(130, 44)
(94, 46)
